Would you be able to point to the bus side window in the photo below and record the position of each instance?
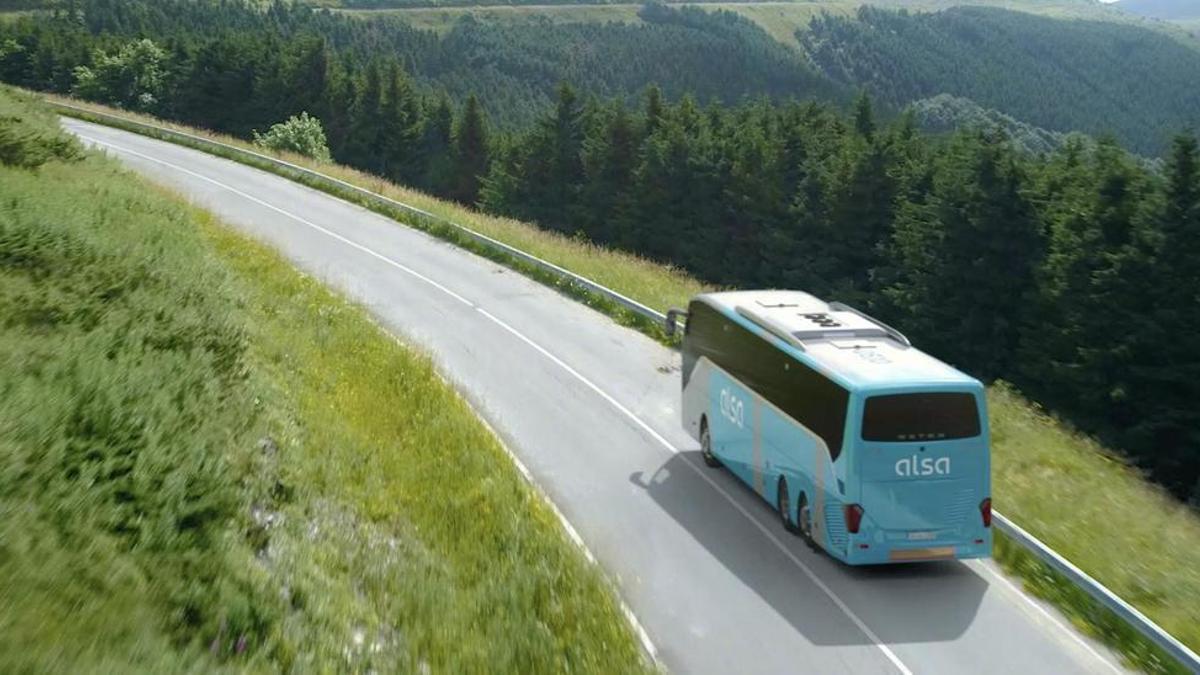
(700, 336)
(800, 392)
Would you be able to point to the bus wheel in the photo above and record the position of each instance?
(784, 503)
(804, 516)
(706, 445)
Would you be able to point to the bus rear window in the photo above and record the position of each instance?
(937, 416)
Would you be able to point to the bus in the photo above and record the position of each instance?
(868, 448)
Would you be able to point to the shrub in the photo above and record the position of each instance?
(134, 77)
(301, 134)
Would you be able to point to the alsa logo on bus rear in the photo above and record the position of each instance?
(732, 408)
(928, 466)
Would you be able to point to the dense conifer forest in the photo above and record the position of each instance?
(1061, 75)
(1071, 273)
(512, 69)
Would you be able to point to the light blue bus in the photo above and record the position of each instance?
(868, 448)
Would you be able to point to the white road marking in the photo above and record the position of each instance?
(572, 533)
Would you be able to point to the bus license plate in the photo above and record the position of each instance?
(921, 536)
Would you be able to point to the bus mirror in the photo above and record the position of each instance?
(671, 324)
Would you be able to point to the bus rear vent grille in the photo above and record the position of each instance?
(835, 525)
(961, 507)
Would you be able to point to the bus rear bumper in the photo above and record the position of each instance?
(871, 553)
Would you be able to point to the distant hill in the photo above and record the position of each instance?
(1162, 9)
(1063, 75)
(515, 68)
(944, 113)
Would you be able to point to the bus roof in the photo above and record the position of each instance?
(852, 348)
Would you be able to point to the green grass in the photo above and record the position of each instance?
(210, 462)
(1088, 505)
(1059, 485)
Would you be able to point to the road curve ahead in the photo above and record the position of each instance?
(591, 409)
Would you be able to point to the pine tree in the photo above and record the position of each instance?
(793, 248)
(339, 88)
(864, 117)
(1091, 282)
(663, 184)
(609, 159)
(471, 152)
(755, 198)
(967, 258)
(655, 109)
(502, 191)
(435, 149)
(400, 117)
(309, 78)
(364, 148)
(1168, 429)
(549, 166)
(861, 213)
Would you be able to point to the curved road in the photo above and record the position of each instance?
(591, 409)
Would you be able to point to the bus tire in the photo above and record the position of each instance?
(783, 503)
(804, 521)
(706, 445)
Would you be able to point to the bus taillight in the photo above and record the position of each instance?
(985, 510)
(854, 514)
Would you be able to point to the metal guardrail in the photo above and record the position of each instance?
(1100, 593)
(1047, 555)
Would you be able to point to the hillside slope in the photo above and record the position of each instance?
(1122, 77)
(944, 114)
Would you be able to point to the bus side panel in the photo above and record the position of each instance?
(788, 455)
(801, 457)
(696, 401)
(731, 419)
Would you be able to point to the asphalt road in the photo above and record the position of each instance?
(591, 409)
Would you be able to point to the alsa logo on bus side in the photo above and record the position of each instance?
(916, 466)
(732, 408)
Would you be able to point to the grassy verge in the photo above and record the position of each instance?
(1060, 486)
(210, 462)
(1095, 511)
